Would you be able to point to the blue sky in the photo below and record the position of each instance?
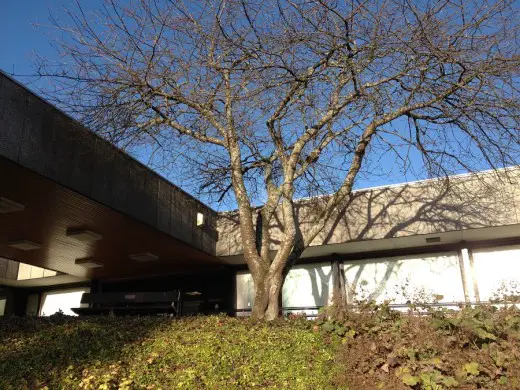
(21, 38)
(23, 31)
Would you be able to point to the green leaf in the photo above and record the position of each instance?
(503, 380)
(485, 335)
(328, 326)
(410, 380)
(472, 368)
(412, 355)
(439, 323)
(340, 330)
(449, 381)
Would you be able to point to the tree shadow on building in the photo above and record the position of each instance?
(398, 211)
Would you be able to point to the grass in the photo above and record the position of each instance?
(162, 353)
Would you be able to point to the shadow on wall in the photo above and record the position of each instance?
(418, 209)
(321, 285)
(468, 202)
(436, 206)
(405, 279)
(307, 286)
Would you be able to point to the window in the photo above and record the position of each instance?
(64, 300)
(402, 279)
(200, 219)
(245, 291)
(497, 271)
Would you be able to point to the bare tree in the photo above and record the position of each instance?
(269, 100)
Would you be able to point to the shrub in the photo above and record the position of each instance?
(474, 348)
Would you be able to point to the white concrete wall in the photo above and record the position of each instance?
(406, 279)
(63, 300)
(420, 278)
(307, 286)
(497, 272)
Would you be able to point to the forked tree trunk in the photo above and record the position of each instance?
(266, 305)
(270, 275)
(268, 289)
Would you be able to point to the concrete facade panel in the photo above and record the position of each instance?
(37, 140)
(511, 193)
(175, 215)
(398, 280)
(187, 215)
(102, 179)
(43, 139)
(308, 285)
(429, 207)
(150, 201)
(9, 269)
(415, 279)
(64, 144)
(13, 110)
(135, 197)
(497, 273)
(163, 209)
(82, 178)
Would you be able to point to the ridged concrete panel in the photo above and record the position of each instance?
(164, 204)
(37, 143)
(13, 109)
(39, 137)
(464, 202)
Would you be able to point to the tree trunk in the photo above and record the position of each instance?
(261, 300)
(266, 305)
(275, 289)
(271, 275)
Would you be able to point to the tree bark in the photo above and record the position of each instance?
(261, 300)
(275, 289)
(266, 304)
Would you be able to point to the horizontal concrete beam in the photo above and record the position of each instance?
(462, 203)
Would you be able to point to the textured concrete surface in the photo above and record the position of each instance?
(37, 136)
(8, 269)
(464, 202)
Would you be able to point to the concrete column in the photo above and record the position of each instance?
(467, 270)
(339, 291)
(16, 302)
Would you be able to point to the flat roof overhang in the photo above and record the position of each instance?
(41, 138)
(51, 210)
(395, 246)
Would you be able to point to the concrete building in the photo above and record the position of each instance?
(78, 215)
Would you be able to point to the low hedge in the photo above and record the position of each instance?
(472, 348)
(162, 353)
